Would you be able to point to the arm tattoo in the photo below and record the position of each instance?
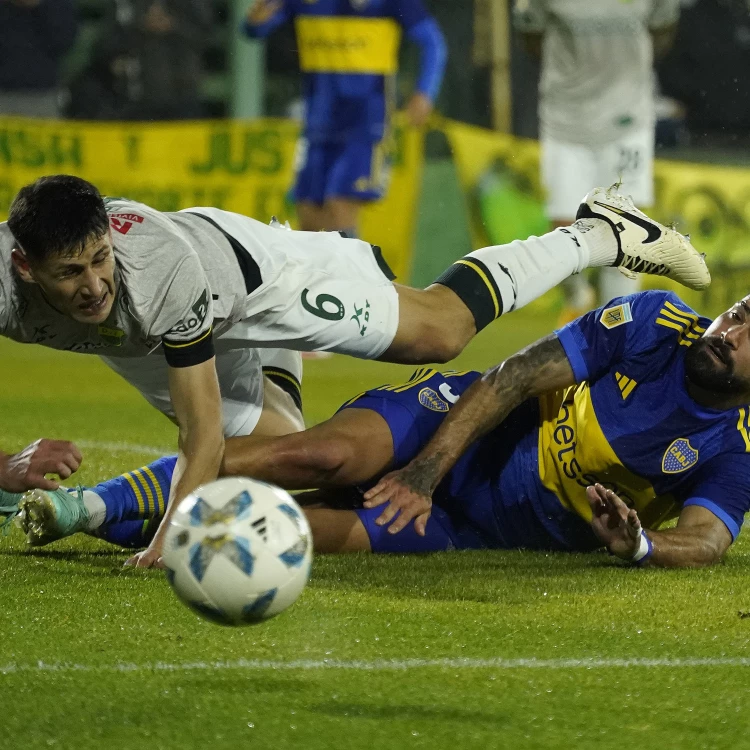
(538, 368)
(419, 475)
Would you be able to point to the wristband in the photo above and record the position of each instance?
(644, 551)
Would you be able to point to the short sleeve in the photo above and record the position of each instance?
(409, 13)
(530, 16)
(185, 320)
(623, 328)
(723, 487)
(664, 13)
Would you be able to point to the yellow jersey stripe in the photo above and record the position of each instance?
(690, 316)
(352, 400)
(484, 278)
(191, 343)
(428, 374)
(678, 318)
(161, 506)
(743, 430)
(628, 389)
(137, 490)
(671, 324)
(150, 502)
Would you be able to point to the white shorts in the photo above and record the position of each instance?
(570, 170)
(320, 291)
(240, 383)
(240, 373)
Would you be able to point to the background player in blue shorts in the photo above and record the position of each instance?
(628, 417)
(348, 52)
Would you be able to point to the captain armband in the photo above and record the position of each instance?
(190, 353)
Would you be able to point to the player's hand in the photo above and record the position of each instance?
(407, 500)
(148, 558)
(617, 526)
(26, 470)
(262, 11)
(418, 110)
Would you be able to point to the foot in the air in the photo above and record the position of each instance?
(644, 245)
(45, 516)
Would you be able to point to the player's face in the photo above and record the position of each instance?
(81, 286)
(720, 360)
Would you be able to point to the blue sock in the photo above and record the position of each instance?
(137, 495)
(131, 534)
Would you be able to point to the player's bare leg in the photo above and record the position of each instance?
(434, 326)
(282, 393)
(343, 214)
(313, 217)
(280, 415)
(336, 531)
(352, 447)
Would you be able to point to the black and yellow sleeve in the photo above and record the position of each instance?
(189, 353)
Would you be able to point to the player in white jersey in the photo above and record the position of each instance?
(177, 303)
(596, 106)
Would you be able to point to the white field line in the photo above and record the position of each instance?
(148, 450)
(380, 665)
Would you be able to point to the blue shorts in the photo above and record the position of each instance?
(356, 169)
(414, 411)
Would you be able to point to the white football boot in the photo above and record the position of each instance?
(644, 245)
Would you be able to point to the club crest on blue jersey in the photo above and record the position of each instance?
(431, 400)
(680, 456)
(616, 316)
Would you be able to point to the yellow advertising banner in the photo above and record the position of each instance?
(499, 176)
(241, 166)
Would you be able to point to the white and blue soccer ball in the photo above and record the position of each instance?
(238, 551)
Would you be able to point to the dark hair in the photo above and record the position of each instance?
(57, 215)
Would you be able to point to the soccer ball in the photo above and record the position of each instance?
(238, 551)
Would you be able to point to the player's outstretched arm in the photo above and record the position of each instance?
(700, 538)
(197, 405)
(539, 368)
(27, 469)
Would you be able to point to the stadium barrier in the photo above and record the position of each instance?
(247, 166)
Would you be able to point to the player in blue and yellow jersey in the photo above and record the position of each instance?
(348, 53)
(595, 436)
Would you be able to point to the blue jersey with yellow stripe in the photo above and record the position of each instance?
(629, 424)
(348, 52)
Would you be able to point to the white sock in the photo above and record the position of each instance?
(96, 508)
(600, 239)
(502, 278)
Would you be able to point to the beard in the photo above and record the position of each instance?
(702, 369)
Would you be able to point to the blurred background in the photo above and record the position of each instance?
(176, 103)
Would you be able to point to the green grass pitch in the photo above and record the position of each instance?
(463, 650)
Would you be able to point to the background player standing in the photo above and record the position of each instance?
(348, 51)
(596, 106)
